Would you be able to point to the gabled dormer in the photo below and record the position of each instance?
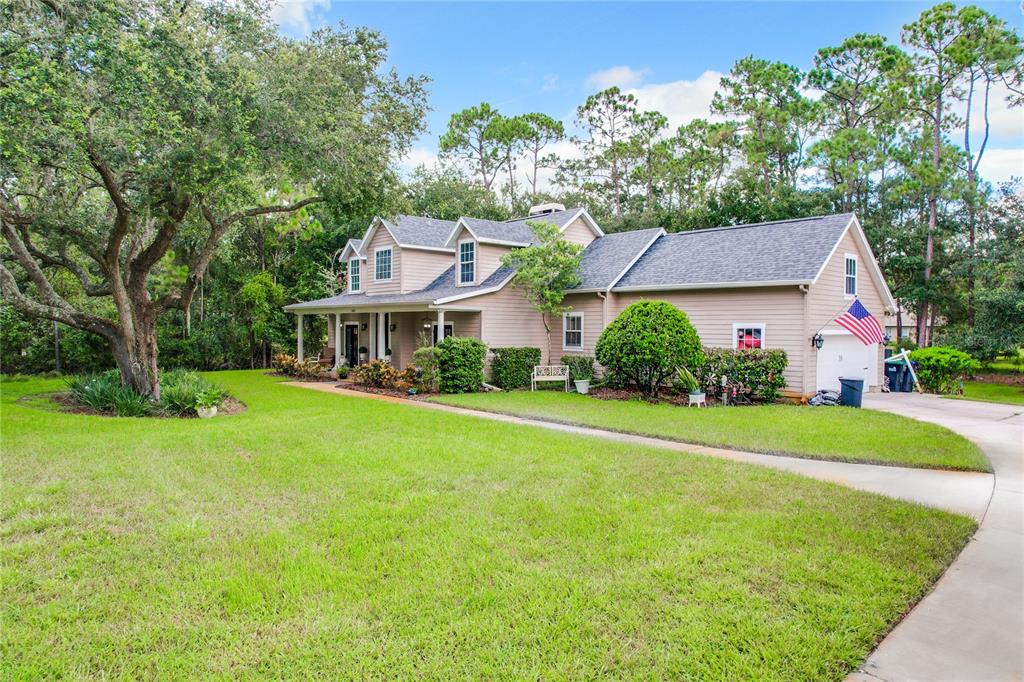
(480, 244)
(355, 264)
(404, 254)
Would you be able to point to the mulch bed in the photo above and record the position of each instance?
(325, 379)
(66, 403)
(605, 393)
(394, 393)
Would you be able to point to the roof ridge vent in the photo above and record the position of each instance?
(545, 209)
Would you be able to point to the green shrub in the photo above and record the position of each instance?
(183, 392)
(284, 363)
(424, 359)
(759, 371)
(939, 368)
(581, 367)
(646, 342)
(375, 373)
(906, 343)
(512, 367)
(460, 364)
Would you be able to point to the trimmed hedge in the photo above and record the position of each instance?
(940, 367)
(460, 364)
(512, 367)
(758, 370)
(647, 342)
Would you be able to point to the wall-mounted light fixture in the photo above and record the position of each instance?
(362, 327)
(818, 341)
(393, 327)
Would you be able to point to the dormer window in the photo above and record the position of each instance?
(382, 264)
(354, 277)
(467, 262)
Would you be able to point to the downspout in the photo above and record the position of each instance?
(805, 351)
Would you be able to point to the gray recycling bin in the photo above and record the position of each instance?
(851, 391)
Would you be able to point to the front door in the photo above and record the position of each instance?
(352, 344)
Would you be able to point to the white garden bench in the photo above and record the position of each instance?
(549, 373)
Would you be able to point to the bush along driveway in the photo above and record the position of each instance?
(433, 546)
(838, 434)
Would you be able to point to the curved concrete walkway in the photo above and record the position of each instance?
(971, 626)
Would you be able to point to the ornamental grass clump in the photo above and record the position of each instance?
(182, 393)
(647, 342)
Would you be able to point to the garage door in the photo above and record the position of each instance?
(843, 355)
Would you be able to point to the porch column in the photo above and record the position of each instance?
(381, 351)
(440, 325)
(337, 340)
(298, 333)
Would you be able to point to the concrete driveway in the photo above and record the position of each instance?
(971, 627)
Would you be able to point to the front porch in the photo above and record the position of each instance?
(356, 335)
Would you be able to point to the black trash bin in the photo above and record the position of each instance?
(908, 378)
(852, 388)
(892, 373)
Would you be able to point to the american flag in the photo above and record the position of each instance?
(861, 324)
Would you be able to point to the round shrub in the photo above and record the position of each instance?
(940, 367)
(460, 364)
(646, 342)
(512, 367)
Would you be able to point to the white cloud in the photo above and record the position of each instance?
(617, 76)
(680, 101)
(1005, 122)
(998, 165)
(416, 157)
(298, 15)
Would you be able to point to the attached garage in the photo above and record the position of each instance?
(843, 355)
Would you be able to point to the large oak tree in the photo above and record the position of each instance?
(136, 134)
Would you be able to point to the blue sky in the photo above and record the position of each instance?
(549, 56)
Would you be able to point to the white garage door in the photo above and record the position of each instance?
(843, 355)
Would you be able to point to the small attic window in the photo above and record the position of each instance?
(850, 279)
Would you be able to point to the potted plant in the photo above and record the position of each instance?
(206, 404)
(581, 371)
(685, 381)
(364, 354)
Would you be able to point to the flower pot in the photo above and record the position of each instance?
(583, 386)
(207, 412)
(363, 357)
(697, 398)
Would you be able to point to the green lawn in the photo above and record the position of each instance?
(992, 393)
(820, 433)
(326, 536)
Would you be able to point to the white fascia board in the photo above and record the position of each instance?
(459, 224)
(658, 235)
(835, 247)
(416, 247)
(712, 285)
(499, 242)
(587, 218)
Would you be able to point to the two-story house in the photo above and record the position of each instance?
(767, 285)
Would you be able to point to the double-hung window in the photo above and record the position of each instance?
(382, 264)
(746, 336)
(850, 280)
(354, 276)
(572, 331)
(467, 262)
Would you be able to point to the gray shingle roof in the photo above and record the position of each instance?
(782, 251)
(442, 287)
(516, 230)
(411, 230)
(606, 257)
(357, 246)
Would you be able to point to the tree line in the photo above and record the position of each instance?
(894, 132)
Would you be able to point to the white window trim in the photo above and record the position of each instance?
(357, 289)
(391, 262)
(458, 263)
(566, 316)
(736, 326)
(856, 275)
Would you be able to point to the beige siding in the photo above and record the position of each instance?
(382, 239)
(714, 311)
(420, 268)
(827, 299)
(578, 231)
(592, 308)
(489, 258)
(509, 320)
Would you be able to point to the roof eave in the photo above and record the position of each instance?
(712, 285)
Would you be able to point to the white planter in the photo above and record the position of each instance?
(362, 357)
(582, 387)
(697, 398)
(207, 412)
(387, 359)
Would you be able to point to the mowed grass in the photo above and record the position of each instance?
(991, 392)
(841, 434)
(325, 536)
